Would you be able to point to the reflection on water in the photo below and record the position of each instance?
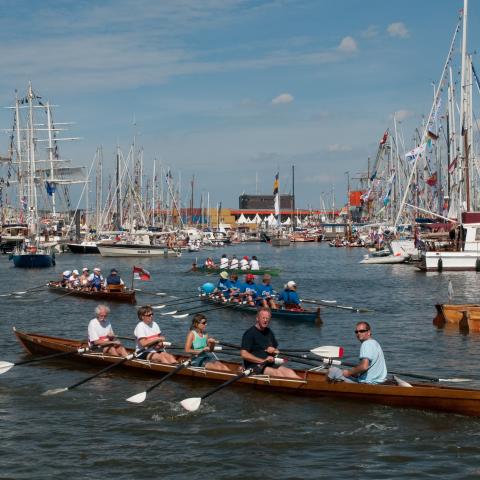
(92, 432)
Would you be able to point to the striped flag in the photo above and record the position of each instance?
(140, 273)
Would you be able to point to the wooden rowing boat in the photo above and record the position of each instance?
(313, 383)
(125, 296)
(285, 314)
(466, 316)
(273, 271)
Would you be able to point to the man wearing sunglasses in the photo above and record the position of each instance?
(371, 368)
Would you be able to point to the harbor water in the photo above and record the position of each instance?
(92, 432)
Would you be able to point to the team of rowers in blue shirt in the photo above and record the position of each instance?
(230, 288)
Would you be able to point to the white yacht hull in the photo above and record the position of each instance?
(449, 261)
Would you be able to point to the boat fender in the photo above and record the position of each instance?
(400, 382)
(440, 265)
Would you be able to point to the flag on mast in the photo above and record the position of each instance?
(276, 195)
(140, 273)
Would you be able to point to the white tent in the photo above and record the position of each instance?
(241, 219)
(257, 219)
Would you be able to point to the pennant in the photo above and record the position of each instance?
(275, 185)
(432, 135)
(384, 138)
(432, 181)
(141, 274)
(412, 155)
(453, 164)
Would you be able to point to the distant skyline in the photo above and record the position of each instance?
(232, 91)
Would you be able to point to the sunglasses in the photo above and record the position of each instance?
(204, 322)
(148, 314)
(361, 331)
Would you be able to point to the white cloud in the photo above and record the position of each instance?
(336, 147)
(282, 99)
(401, 115)
(348, 44)
(398, 29)
(370, 32)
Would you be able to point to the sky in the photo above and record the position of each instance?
(232, 91)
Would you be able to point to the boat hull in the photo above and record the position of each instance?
(125, 296)
(450, 261)
(313, 383)
(132, 251)
(33, 260)
(82, 248)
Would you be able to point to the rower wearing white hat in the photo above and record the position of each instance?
(95, 279)
(289, 297)
(74, 280)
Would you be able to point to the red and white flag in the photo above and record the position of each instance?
(140, 273)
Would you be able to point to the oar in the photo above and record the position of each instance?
(131, 356)
(6, 366)
(342, 307)
(218, 307)
(192, 404)
(324, 351)
(142, 396)
(60, 296)
(23, 292)
(189, 300)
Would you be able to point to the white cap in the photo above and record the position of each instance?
(66, 273)
(85, 269)
(291, 284)
(75, 272)
(96, 269)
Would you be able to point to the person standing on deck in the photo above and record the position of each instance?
(100, 333)
(289, 297)
(149, 338)
(371, 368)
(259, 346)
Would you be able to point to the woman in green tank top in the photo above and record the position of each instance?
(201, 346)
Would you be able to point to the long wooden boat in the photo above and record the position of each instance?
(314, 383)
(124, 296)
(285, 314)
(466, 316)
(273, 271)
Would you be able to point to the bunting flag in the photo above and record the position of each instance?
(432, 181)
(432, 135)
(141, 274)
(384, 138)
(453, 164)
(386, 199)
(412, 155)
(50, 188)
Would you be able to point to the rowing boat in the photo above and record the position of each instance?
(125, 296)
(313, 383)
(274, 271)
(283, 313)
(466, 316)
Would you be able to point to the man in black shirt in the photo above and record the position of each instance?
(259, 346)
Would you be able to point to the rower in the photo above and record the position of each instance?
(244, 263)
(74, 280)
(259, 346)
(223, 286)
(290, 298)
(209, 263)
(96, 280)
(235, 286)
(149, 338)
(113, 281)
(248, 290)
(254, 265)
(100, 333)
(234, 263)
(201, 345)
(65, 278)
(224, 262)
(84, 282)
(371, 368)
(266, 293)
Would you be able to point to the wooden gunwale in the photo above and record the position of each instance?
(466, 316)
(126, 296)
(421, 395)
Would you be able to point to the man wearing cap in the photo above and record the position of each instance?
(223, 286)
(96, 280)
(113, 278)
(244, 263)
(248, 290)
(289, 297)
(84, 282)
(65, 278)
(234, 263)
(265, 293)
(74, 280)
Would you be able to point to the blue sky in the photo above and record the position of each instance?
(231, 90)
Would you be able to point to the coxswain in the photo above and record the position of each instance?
(244, 263)
(96, 280)
(248, 290)
(100, 333)
(254, 265)
(224, 262)
(259, 348)
(290, 298)
(234, 263)
(150, 339)
(371, 367)
(198, 343)
(266, 294)
(114, 279)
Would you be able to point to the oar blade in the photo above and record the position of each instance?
(20, 293)
(55, 391)
(5, 367)
(455, 380)
(191, 404)
(169, 313)
(138, 398)
(158, 307)
(184, 315)
(328, 351)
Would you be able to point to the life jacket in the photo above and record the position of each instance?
(113, 280)
(97, 280)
